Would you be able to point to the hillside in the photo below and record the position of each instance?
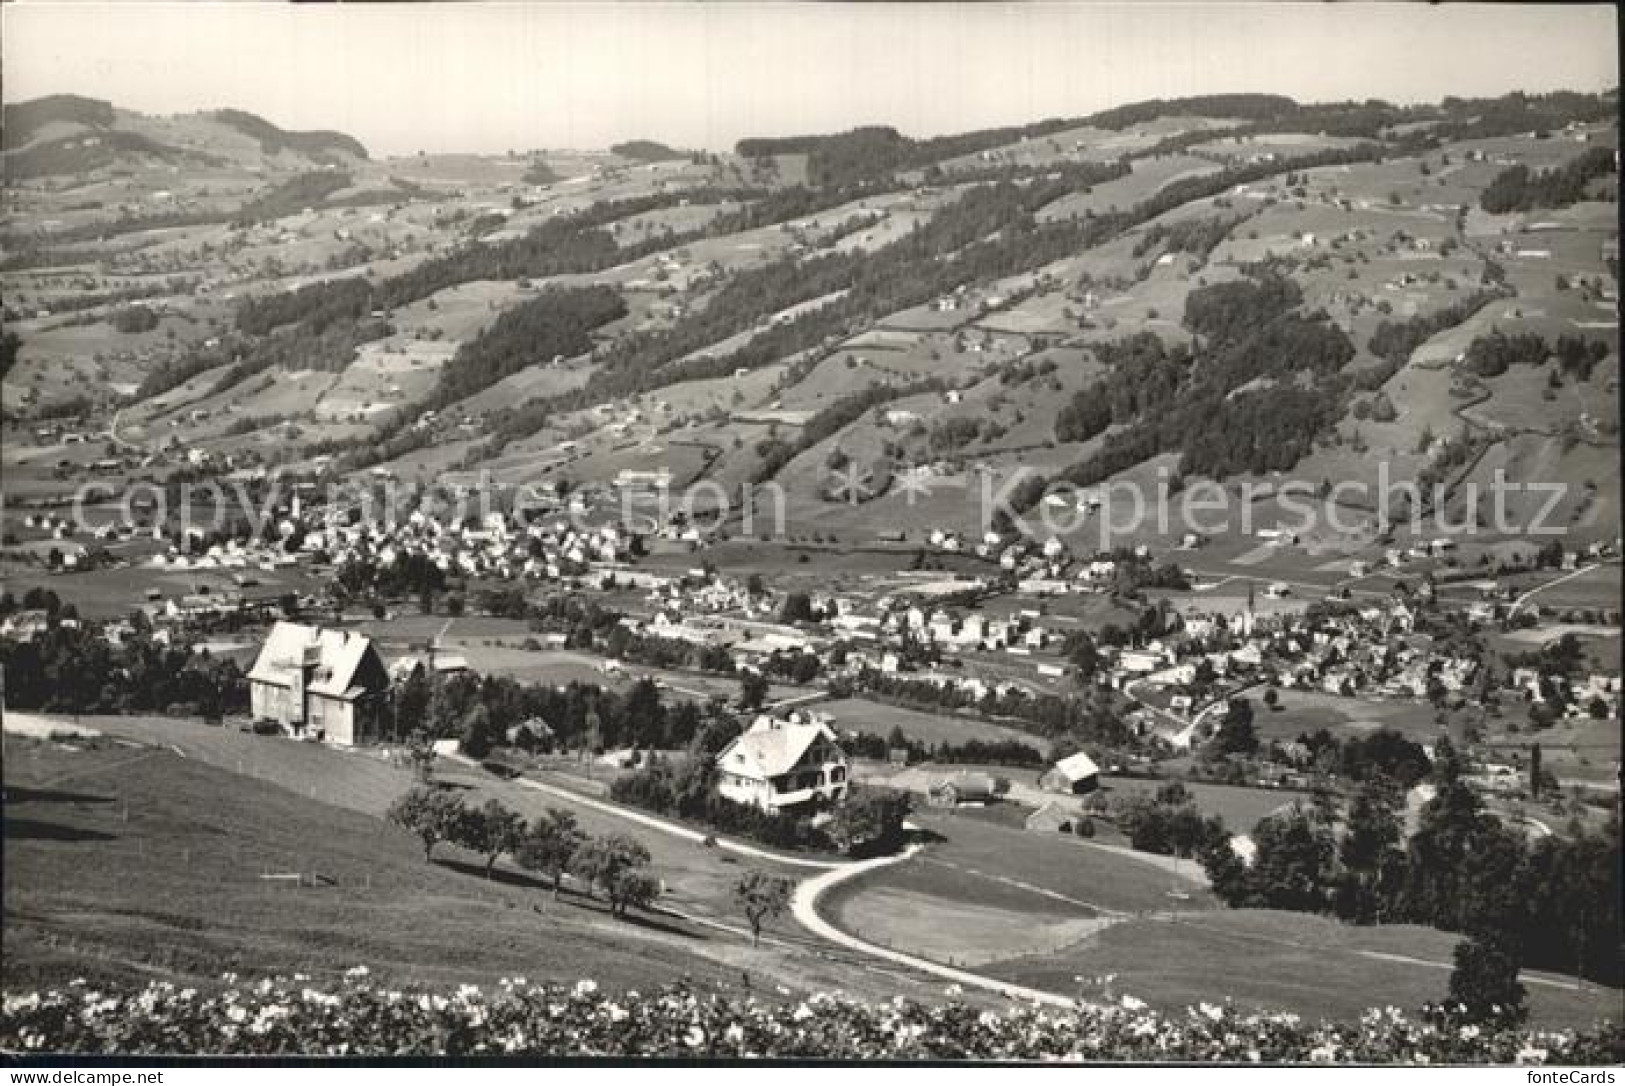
(70, 136)
(1023, 299)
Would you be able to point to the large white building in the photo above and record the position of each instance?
(330, 684)
(779, 764)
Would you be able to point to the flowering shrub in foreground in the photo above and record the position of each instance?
(361, 1018)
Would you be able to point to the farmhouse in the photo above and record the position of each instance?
(1078, 775)
(778, 764)
(330, 684)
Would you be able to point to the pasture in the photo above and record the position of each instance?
(125, 863)
(1299, 711)
(875, 718)
(1263, 959)
(173, 888)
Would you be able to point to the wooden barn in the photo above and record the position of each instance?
(1077, 775)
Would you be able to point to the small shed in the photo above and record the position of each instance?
(1077, 775)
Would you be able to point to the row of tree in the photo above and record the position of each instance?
(553, 845)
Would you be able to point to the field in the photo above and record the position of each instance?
(1318, 967)
(127, 863)
(1055, 913)
(139, 855)
(1301, 711)
(874, 718)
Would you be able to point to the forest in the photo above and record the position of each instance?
(554, 325)
(292, 196)
(1518, 188)
(1269, 383)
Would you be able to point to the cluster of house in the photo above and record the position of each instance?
(496, 546)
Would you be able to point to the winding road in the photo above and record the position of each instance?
(804, 902)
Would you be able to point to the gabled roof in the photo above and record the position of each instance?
(1078, 767)
(339, 655)
(968, 785)
(768, 750)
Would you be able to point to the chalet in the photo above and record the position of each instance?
(330, 684)
(1077, 775)
(778, 764)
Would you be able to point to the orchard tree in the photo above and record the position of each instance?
(432, 814)
(490, 831)
(550, 845)
(761, 897)
(617, 865)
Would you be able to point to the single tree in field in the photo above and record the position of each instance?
(550, 845)
(615, 865)
(433, 815)
(491, 830)
(761, 897)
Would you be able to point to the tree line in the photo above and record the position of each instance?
(1551, 904)
(1518, 188)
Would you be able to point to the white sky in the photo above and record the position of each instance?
(493, 76)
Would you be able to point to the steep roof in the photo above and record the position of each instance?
(773, 749)
(1078, 767)
(339, 655)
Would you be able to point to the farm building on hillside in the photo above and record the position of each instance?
(777, 764)
(966, 788)
(329, 684)
(1053, 817)
(1078, 775)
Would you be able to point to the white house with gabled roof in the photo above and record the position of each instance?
(779, 764)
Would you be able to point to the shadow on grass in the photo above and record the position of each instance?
(500, 876)
(23, 794)
(28, 829)
(659, 920)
